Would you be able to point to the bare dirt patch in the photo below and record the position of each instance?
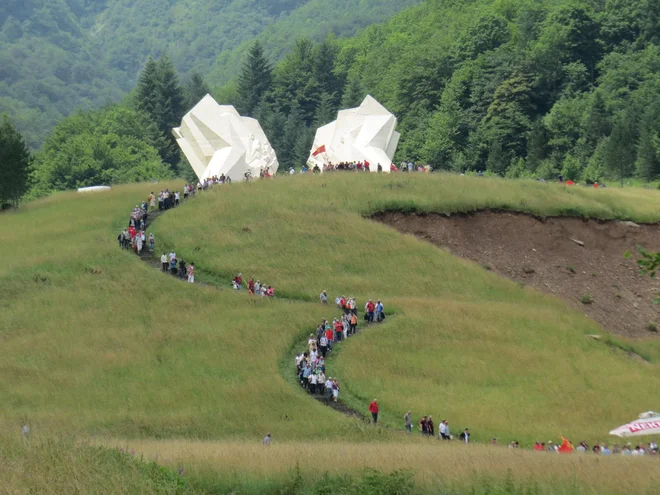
(581, 261)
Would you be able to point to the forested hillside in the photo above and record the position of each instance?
(57, 56)
(514, 88)
(520, 88)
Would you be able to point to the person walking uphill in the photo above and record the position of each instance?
(373, 409)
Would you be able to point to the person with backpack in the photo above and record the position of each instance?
(380, 315)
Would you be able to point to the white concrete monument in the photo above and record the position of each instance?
(217, 140)
(363, 134)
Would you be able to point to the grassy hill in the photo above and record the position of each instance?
(97, 342)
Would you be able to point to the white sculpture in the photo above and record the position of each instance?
(217, 140)
(365, 134)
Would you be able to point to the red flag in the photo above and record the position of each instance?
(320, 150)
(566, 447)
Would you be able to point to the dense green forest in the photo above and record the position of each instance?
(58, 56)
(525, 88)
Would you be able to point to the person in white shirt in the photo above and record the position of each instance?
(163, 261)
(328, 388)
(444, 430)
(257, 288)
(313, 380)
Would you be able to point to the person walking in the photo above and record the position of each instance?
(152, 242)
(430, 427)
(164, 261)
(182, 270)
(373, 409)
(191, 273)
(407, 422)
(444, 430)
(353, 323)
(324, 297)
(138, 243)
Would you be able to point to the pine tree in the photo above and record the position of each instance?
(147, 92)
(497, 159)
(295, 126)
(326, 112)
(15, 162)
(274, 128)
(648, 159)
(597, 125)
(536, 145)
(353, 94)
(323, 66)
(619, 153)
(160, 96)
(171, 95)
(255, 80)
(303, 147)
(194, 90)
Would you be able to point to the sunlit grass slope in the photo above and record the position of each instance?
(464, 344)
(96, 341)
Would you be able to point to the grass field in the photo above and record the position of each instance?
(96, 342)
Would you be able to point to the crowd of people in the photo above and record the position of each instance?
(361, 166)
(133, 236)
(254, 288)
(310, 364)
(598, 448)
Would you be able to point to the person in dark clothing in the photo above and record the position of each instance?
(423, 427)
(182, 269)
(430, 428)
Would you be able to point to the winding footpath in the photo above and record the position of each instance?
(152, 259)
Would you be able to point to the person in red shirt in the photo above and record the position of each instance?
(329, 334)
(339, 329)
(371, 307)
(373, 409)
(250, 286)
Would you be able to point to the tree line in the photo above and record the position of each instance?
(518, 89)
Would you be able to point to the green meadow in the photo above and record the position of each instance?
(98, 344)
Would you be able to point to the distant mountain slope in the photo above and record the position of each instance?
(57, 56)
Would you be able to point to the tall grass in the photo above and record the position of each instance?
(96, 342)
(436, 467)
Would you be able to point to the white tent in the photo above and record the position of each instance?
(217, 140)
(362, 134)
(647, 424)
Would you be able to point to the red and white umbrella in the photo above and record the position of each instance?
(647, 424)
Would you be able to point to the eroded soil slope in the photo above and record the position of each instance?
(540, 253)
